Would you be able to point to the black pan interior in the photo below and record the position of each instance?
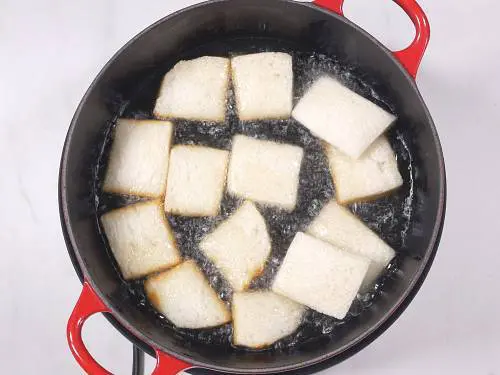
(318, 41)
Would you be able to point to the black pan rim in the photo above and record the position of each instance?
(134, 335)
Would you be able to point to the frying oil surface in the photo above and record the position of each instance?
(390, 217)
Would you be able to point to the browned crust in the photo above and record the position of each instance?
(235, 331)
(152, 296)
(154, 278)
(156, 270)
(159, 204)
(162, 276)
(254, 274)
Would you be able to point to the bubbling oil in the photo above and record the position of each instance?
(390, 217)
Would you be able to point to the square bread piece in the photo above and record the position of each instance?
(263, 85)
(138, 163)
(196, 180)
(140, 239)
(239, 246)
(320, 276)
(262, 318)
(341, 117)
(375, 173)
(185, 297)
(337, 225)
(195, 90)
(265, 172)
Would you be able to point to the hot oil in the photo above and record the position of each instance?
(390, 216)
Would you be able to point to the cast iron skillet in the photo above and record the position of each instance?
(217, 27)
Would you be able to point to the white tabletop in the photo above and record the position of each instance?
(49, 53)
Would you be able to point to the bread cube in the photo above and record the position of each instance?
(265, 172)
(374, 174)
(338, 226)
(239, 246)
(140, 239)
(196, 180)
(185, 297)
(195, 90)
(263, 85)
(341, 117)
(261, 318)
(320, 276)
(138, 163)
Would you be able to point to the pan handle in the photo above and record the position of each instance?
(411, 56)
(89, 304)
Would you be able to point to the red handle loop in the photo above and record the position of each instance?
(409, 57)
(89, 304)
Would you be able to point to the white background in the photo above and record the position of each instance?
(49, 53)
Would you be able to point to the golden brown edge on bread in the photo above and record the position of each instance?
(153, 278)
(159, 204)
(259, 270)
(153, 297)
(265, 345)
(235, 332)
